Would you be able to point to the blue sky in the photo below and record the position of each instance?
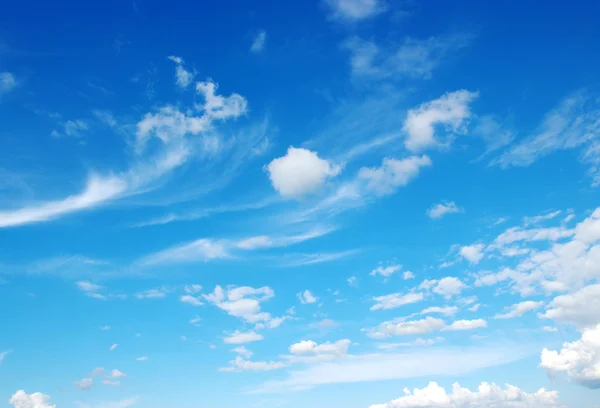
(332, 203)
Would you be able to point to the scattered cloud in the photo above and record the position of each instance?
(395, 300)
(242, 337)
(306, 297)
(8, 82)
(258, 44)
(441, 209)
(386, 271)
(183, 77)
(519, 309)
(21, 399)
(461, 325)
(113, 347)
(472, 253)
(392, 173)
(84, 384)
(355, 10)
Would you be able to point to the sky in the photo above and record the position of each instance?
(323, 203)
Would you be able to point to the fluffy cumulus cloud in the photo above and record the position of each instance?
(580, 359)
(472, 253)
(242, 302)
(300, 172)
(450, 111)
(355, 10)
(580, 308)
(487, 395)
(441, 209)
(404, 328)
(392, 173)
(21, 399)
(183, 77)
(461, 325)
(449, 286)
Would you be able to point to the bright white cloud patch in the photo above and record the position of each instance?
(461, 325)
(472, 253)
(580, 360)
(581, 308)
(386, 271)
(306, 297)
(354, 10)
(404, 328)
(339, 348)
(441, 209)
(21, 399)
(392, 173)
(487, 395)
(300, 172)
(183, 77)
(449, 286)
(243, 302)
(450, 111)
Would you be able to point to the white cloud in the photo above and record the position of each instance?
(8, 82)
(242, 302)
(21, 399)
(389, 366)
(446, 311)
(306, 297)
(243, 351)
(112, 383)
(183, 77)
(451, 110)
(117, 374)
(105, 328)
(579, 359)
(300, 172)
(386, 271)
(84, 384)
(114, 346)
(472, 253)
(408, 275)
(392, 173)
(395, 300)
(519, 309)
(240, 364)
(487, 395)
(241, 338)
(580, 308)
(97, 191)
(192, 289)
(189, 299)
(339, 348)
(441, 209)
(199, 250)
(419, 342)
(355, 10)
(4, 354)
(412, 59)
(220, 107)
(157, 293)
(449, 286)
(97, 371)
(352, 281)
(460, 325)
(258, 44)
(143, 358)
(404, 328)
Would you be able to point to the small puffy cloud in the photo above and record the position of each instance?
(472, 253)
(404, 328)
(519, 309)
(461, 325)
(352, 281)
(192, 289)
(580, 360)
(339, 348)
(189, 299)
(117, 374)
(242, 302)
(395, 300)
(408, 275)
(258, 44)
(300, 172)
(242, 337)
(144, 358)
(8, 82)
(450, 111)
(105, 328)
(488, 395)
(449, 286)
(113, 347)
(385, 271)
(221, 107)
(355, 10)
(21, 399)
(441, 209)
(306, 297)
(84, 383)
(392, 173)
(183, 77)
